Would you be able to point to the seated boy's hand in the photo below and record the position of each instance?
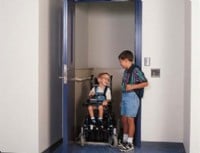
(91, 94)
(105, 103)
(129, 87)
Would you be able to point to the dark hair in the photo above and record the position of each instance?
(126, 54)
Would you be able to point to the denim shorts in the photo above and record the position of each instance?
(129, 104)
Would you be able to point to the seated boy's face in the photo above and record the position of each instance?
(104, 80)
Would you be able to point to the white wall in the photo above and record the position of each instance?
(19, 76)
(163, 42)
(30, 92)
(187, 79)
(195, 78)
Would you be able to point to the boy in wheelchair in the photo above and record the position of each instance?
(99, 125)
(101, 94)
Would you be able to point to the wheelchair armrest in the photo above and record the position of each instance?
(91, 102)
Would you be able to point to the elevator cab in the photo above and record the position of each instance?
(94, 34)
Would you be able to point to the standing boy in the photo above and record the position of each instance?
(133, 79)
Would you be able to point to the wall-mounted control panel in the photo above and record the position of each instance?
(155, 73)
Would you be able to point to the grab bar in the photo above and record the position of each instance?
(78, 79)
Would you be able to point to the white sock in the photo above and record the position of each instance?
(92, 118)
(125, 138)
(130, 140)
(100, 118)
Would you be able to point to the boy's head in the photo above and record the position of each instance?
(126, 59)
(103, 78)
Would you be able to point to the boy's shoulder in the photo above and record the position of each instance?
(134, 67)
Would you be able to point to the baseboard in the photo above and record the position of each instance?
(54, 146)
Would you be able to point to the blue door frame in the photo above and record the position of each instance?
(64, 58)
(67, 44)
(138, 53)
(67, 14)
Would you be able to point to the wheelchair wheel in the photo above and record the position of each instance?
(113, 141)
(82, 137)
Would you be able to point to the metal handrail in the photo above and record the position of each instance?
(81, 79)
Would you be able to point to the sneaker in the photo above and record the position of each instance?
(100, 123)
(128, 147)
(121, 145)
(92, 124)
(93, 121)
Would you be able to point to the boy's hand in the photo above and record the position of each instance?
(129, 87)
(105, 103)
(91, 94)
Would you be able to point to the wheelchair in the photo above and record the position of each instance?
(95, 134)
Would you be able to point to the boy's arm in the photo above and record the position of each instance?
(108, 97)
(136, 86)
(140, 79)
(92, 92)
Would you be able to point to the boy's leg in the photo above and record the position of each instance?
(131, 109)
(100, 109)
(90, 110)
(124, 121)
(91, 113)
(131, 129)
(100, 119)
